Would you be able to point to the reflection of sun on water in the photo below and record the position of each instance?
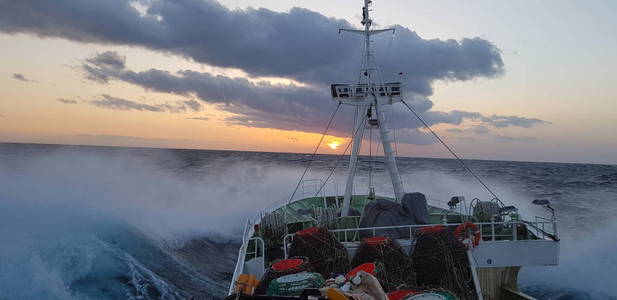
(334, 144)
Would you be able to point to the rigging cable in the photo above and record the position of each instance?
(339, 159)
(314, 153)
(370, 154)
(450, 150)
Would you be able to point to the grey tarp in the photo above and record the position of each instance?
(381, 212)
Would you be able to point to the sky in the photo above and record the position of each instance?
(503, 80)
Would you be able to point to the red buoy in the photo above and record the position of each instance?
(309, 231)
(377, 240)
(435, 228)
(367, 267)
(287, 264)
(401, 294)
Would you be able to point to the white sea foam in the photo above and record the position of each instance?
(587, 266)
(55, 208)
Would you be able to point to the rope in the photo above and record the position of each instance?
(450, 150)
(314, 153)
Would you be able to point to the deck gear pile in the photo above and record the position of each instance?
(323, 250)
(394, 265)
(440, 260)
(436, 268)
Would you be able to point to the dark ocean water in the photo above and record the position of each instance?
(116, 223)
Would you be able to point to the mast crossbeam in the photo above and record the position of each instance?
(361, 94)
(364, 32)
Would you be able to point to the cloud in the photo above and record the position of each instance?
(100, 65)
(514, 138)
(505, 121)
(21, 77)
(299, 44)
(260, 104)
(414, 136)
(192, 105)
(199, 118)
(266, 105)
(480, 129)
(484, 132)
(66, 101)
(115, 103)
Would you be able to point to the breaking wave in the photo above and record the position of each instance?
(110, 223)
(135, 225)
(587, 269)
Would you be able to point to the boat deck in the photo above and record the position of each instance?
(502, 244)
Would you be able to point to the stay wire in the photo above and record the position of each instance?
(450, 150)
(314, 153)
(370, 156)
(339, 159)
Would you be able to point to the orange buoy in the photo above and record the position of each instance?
(246, 284)
(466, 229)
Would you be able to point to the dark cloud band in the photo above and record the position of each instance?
(267, 105)
(115, 103)
(299, 44)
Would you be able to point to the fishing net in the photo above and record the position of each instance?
(396, 266)
(326, 254)
(272, 230)
(282, 268)
(439, 260)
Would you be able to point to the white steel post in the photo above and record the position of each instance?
(390, 155)
(357, 139)
(474, 273)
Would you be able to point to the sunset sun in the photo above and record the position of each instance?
(334, 144)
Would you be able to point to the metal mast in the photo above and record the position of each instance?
(366, 95)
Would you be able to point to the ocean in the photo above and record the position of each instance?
(81, 222)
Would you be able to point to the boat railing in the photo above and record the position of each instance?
(259, 250)
(311, 188)
(489, 231)
(241, 255)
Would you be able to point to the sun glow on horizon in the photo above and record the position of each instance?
(334, 143)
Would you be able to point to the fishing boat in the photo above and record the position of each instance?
(367, 246)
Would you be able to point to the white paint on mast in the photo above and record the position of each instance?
(357, 138)
(384, 97)
(389, 153)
